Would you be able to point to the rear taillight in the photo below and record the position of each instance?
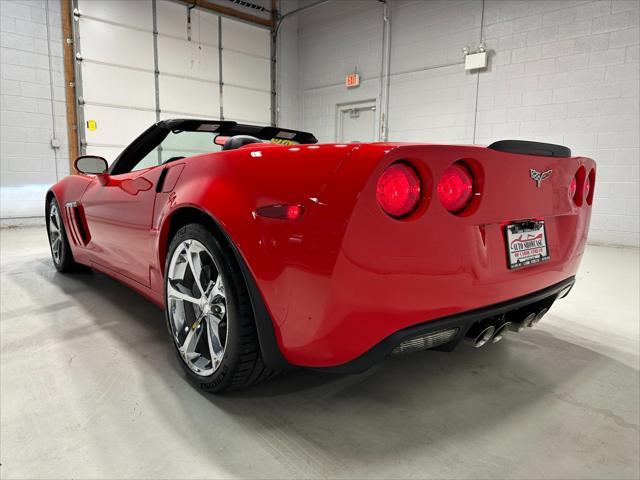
(579, 179)
(573, 186)
(455, 188)
(398, 190)
(587, 187)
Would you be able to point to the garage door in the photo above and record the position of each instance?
(198, 64)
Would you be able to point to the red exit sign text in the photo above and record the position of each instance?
(352, 80)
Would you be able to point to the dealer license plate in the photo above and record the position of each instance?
(526, 243)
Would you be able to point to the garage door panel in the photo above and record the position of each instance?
(188, 59)
(247, 105)
(116, 126)
(246, 38)
(108, 43)
(172, 20)
(118, 83)
(136, 14)
(245, 70)
(108, 153)
(189, 96)
(169, 115)
(126, 87)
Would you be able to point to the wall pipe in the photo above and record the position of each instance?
(55, 145)
(385, 73)
(276, 22)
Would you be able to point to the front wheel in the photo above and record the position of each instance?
(209, 314)
(58, 242)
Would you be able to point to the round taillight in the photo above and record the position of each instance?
(398, 190)
(573, 186)
(587, 186)
(455, 188)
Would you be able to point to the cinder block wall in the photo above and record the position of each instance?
(28, 164)
(288, 66)
(562, 71)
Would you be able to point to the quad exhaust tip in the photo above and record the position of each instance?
(529, 320)
(501, 331)
(482, 333)
(539, 316)
(479, 335)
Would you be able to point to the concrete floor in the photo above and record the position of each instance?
(90, 389)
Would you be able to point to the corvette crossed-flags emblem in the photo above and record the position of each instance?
(538, 177)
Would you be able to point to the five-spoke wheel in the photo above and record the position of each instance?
(55, 232)
(197, 307)
(209, 312)
(60, 249)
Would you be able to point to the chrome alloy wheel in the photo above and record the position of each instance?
(197, 307)
(55, 232)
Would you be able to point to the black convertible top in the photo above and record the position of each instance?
(156, 133)
(230, 129)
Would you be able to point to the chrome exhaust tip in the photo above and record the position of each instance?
(478, 335)
(539, 316)
(524, 323)
(501, 331)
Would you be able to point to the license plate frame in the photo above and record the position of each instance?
(526, 243)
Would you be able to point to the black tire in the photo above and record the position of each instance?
(242, 364)
(64, 262)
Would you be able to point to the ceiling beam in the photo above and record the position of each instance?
(230, 12)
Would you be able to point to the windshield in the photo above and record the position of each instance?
(179, 144)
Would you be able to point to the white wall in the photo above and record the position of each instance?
(562, 71)
(27, 162)
(288, 69)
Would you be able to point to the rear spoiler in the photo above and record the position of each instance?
(523, 147)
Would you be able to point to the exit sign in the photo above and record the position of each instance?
(352, 80)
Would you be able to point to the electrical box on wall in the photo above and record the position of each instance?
(474, 61)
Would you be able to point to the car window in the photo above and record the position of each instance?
(178, 144)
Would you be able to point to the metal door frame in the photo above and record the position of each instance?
(341, 108)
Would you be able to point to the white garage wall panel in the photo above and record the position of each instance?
(131, 88)
(118, 69)
(245, 72)
(180, 97)
(188, 61)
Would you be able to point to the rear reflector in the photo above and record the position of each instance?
(284, 212)
(398, 190)
(424, 342)
(455, 187)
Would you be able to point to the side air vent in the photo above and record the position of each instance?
(523, 147)
(77, 229)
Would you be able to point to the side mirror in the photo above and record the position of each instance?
(91, 164)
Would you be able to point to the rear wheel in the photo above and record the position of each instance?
(60, 249)
(209, 314)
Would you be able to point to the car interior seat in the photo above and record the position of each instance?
(238, 141)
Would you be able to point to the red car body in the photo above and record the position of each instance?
(338, 281)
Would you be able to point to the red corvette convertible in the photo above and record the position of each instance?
(267, 250)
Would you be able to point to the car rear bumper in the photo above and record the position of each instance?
(514, 311)
(347, 276)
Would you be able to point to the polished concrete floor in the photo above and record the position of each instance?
(90, 389)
